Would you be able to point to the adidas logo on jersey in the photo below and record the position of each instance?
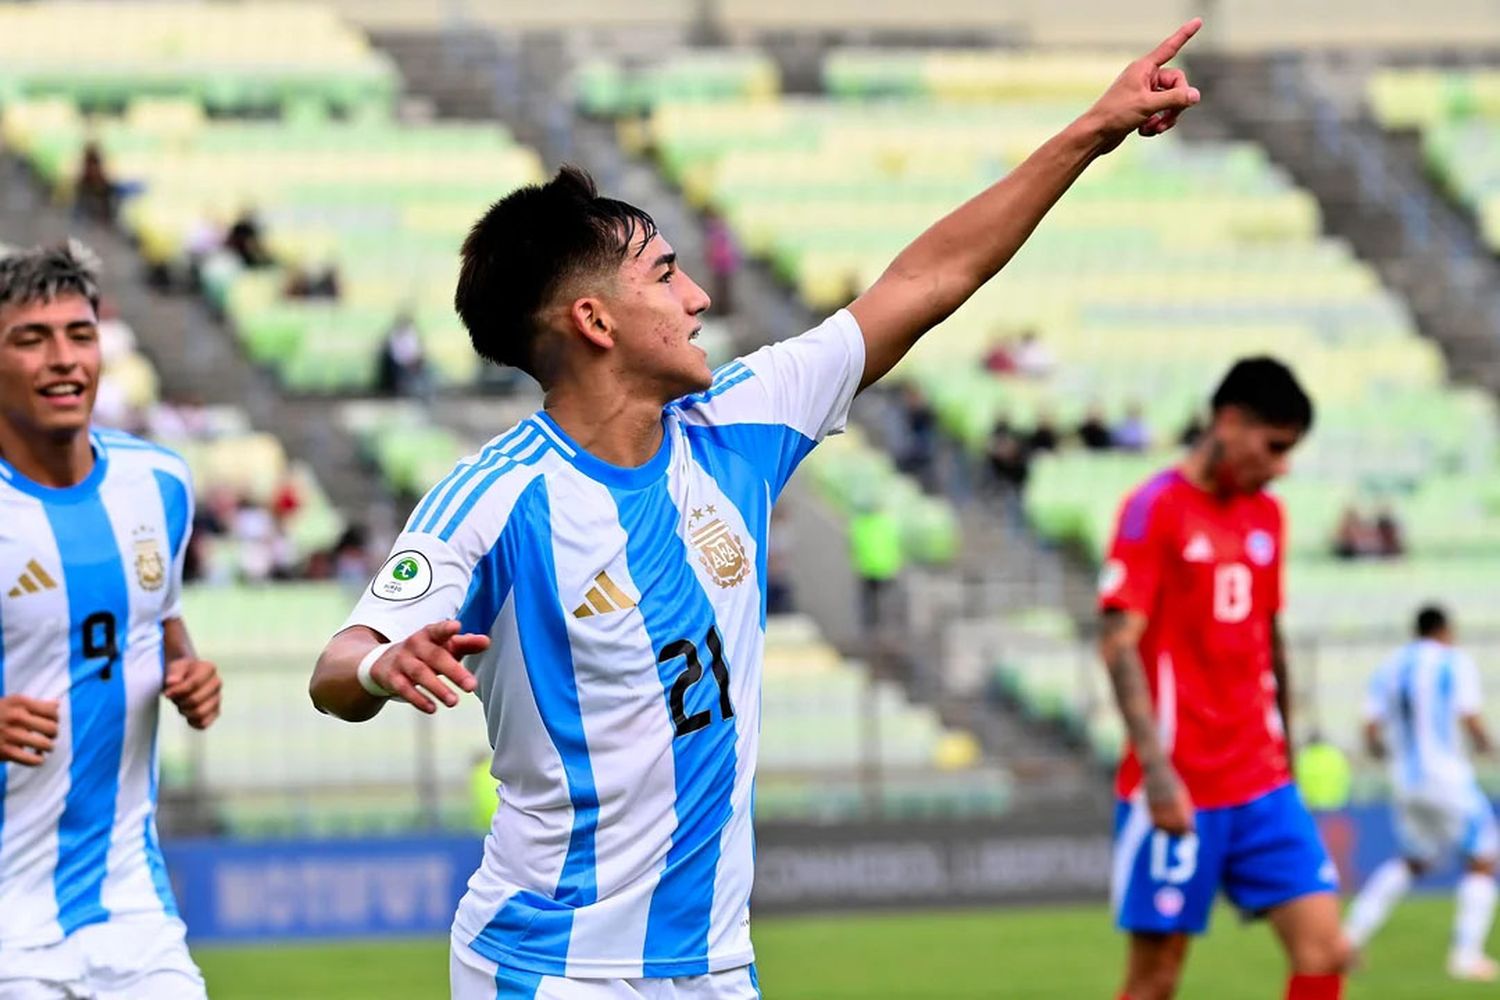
(1199, 550)
(603, 598)
(34, 579)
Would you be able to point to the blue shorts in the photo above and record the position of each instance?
(1263, 853)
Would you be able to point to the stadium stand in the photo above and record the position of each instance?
(1457, 112)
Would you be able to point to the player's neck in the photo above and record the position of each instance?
(610, 425)
(1200, 468)
(57, 462)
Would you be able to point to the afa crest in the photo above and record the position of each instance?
(150, 567)
(721, 553)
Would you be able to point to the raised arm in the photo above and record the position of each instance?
(1119, 642)
(948, 263)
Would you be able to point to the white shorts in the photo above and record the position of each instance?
(1430, 828)
(139, 958)
(473, 977)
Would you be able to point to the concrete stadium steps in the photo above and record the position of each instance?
(1374, 192)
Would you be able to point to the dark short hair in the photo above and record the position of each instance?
(526, 246)
(42, 274)
(1268, 390)
(1430, 621)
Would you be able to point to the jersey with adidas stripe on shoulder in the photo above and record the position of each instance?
(626, 608)
(1205, 571)
(92, 572)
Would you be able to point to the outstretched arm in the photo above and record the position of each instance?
(950, 261)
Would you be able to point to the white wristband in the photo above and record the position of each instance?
(363, 673)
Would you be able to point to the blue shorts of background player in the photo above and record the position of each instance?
(1263, 853)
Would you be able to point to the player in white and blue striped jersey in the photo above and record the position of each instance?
(1422, 701)
(603, 564)
(93, 528)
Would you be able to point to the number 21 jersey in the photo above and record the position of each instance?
(1205, 571)
(626, 610)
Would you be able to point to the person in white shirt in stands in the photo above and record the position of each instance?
(1421, 700)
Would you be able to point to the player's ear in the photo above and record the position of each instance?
(590, 318)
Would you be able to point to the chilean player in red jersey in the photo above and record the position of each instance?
(1189, 599)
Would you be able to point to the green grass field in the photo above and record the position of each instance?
(1056, 954)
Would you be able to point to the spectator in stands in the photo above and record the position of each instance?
(308, 283)
(919, 426)
(403, 361)
(1390, 540)
(245, 241)
(779, 592)
(1044, 436)
(1000, 358)
(351, 556)
(1033, 358)
(1132, 434)
(875, 545)
(95, 195)
(723, 252)
(1355, 537)
(1010, 460)
(1094, 434)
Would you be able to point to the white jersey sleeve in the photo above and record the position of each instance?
(451, 536)
(775, 405)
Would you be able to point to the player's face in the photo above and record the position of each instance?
(656, 307)
(1255, 453)
(49, 365)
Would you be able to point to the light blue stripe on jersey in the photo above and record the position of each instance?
(745, 486)
(174, 505)
(94, 577)
(513, 984)
(431, 508)
(775, 450)
(539, 925)
(1444, 725)
(674, 607)
(1407, 710)
(725, 378)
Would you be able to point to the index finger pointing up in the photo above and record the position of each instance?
(1164, 52)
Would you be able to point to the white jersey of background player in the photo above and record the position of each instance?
(1421, 702)
(601, 560)
(93, 528)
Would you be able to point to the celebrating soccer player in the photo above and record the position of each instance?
(604, 562)
(1189, 598)
(1419, 699)
(91, 637)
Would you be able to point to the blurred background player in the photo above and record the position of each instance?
(1189, 599)
(93, 534)
(1419, 700)
(602, 558)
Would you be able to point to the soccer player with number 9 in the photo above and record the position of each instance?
(93, 531)
(1189, 598)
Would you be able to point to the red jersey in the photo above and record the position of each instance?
(1206, 573)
